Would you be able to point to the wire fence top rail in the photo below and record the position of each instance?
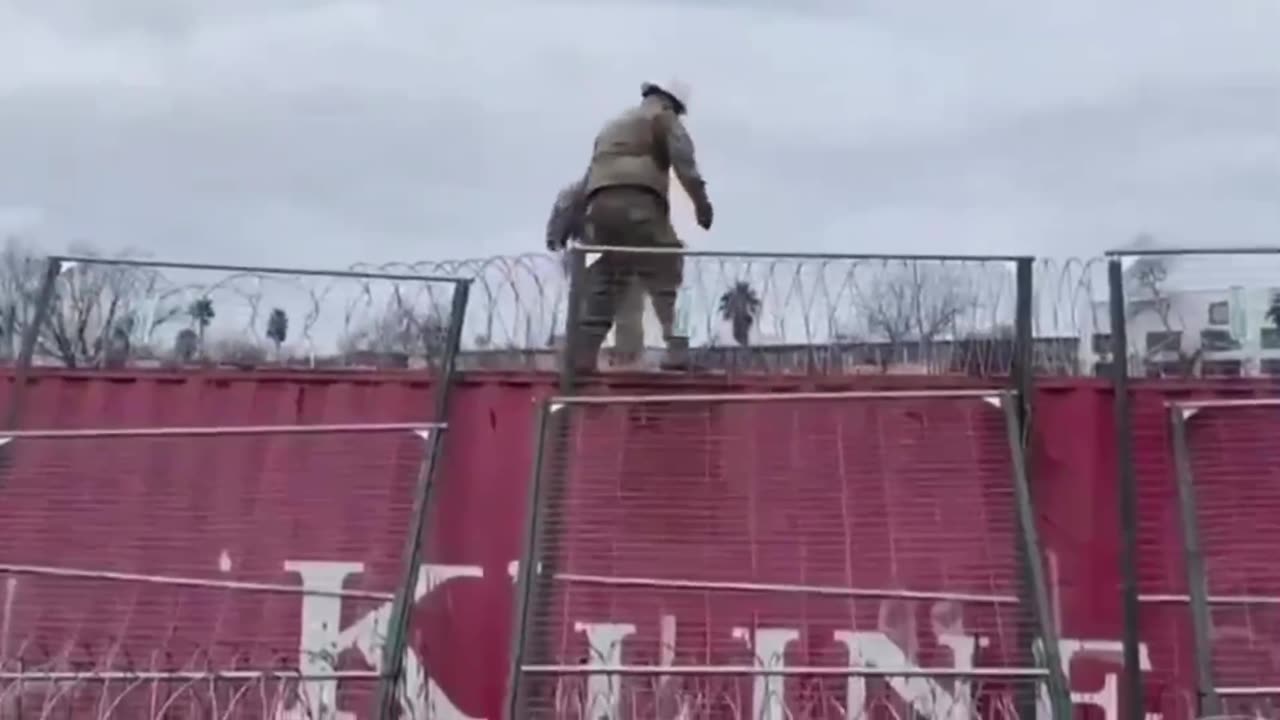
(756, 587)
(181, 675)
(788, 671)
(729, 397)
(1192, 250)
(1223, 403)
(777, 255)
(223, 430)
(260, 269)
(181, 581)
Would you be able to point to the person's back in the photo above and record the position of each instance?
(629, 151)
(626, 189)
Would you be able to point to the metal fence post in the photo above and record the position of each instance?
(1210, 704)
(1033, 566)
(1022, 379)
(30, 338)
(1126, 481)
(415, 546)
(529, 569)
(547, 490)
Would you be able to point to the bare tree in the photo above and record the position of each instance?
(1145, 288)
(918, 302)
(98, 314)
(914, 302)
(401, 329)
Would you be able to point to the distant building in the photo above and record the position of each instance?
(1208, 316)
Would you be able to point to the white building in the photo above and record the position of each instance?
(1195, 315)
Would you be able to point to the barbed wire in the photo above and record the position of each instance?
(122, 677)
(813, 314)
(842, 693)
(774, 314)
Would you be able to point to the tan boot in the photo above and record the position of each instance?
(677, 355)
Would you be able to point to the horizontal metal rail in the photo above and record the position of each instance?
(1222, 403)
(976, 394)
(774, 255)
(259, 269)
(1249, 691)
(180, 581)
(219, 430)
(1165, 251)
(651, 583)
(1172, 599)
(786, 671)
(184, 675)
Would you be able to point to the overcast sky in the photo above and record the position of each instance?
(330, 132)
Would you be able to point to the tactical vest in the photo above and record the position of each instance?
(627, 152)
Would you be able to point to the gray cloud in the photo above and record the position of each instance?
(332, 132)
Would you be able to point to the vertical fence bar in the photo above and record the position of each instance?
(1210, 704)
(1033, 565)
(1021, 380)
(529, 570)
(415, 544)
(551, 480)
(573, 321)
(30, 338)
(1126, 481)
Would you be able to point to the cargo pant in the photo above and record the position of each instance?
(627, 217)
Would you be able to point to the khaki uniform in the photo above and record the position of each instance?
(617, 282)
(626, 189)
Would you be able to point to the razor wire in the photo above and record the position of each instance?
(816, 693)
(805, 313)
(85, 312)
(159, 695)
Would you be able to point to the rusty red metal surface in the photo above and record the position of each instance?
(291, 512)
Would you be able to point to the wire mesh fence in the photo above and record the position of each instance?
(827, 314)
(1229, 496)
(695, 536)
(87, 312)
(795, 313)
(189, 572)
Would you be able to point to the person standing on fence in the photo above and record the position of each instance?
(622, 202)
(566, 225)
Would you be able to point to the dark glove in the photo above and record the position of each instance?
(705, 214)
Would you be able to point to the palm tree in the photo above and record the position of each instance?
(740, 307)
(278, 328)
(201, 312)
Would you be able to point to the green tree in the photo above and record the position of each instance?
(201, 312)
(740, 307)
(278, 328)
